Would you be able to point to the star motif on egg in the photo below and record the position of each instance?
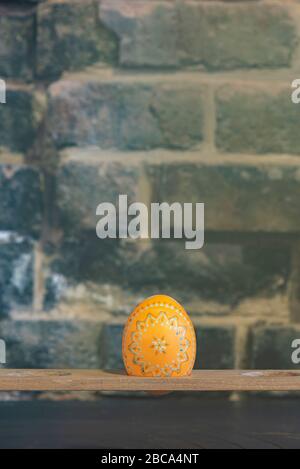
(163, 360)
(159, 345)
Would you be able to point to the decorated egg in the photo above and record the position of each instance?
(159, 339)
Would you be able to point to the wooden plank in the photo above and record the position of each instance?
(98, 380)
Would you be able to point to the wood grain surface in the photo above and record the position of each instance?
(98, 380)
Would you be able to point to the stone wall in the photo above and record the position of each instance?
(164, 100)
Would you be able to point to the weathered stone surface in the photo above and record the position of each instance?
(70, 37)
(21, 201)
(46, 343)
(215, 35)
(17, 41)
(272, 347)
(83, 185)
(111, 347)
(223, 273)
(20, 117)
(257, 119)
(125, 115)
(215, 347)
(251, 196)
(226, 273)
(81, 260)
(16, 272)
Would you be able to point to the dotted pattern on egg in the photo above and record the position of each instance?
(177, 312)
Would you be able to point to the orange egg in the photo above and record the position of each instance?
(159, 339)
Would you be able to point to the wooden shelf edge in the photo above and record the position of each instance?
(98, 380)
